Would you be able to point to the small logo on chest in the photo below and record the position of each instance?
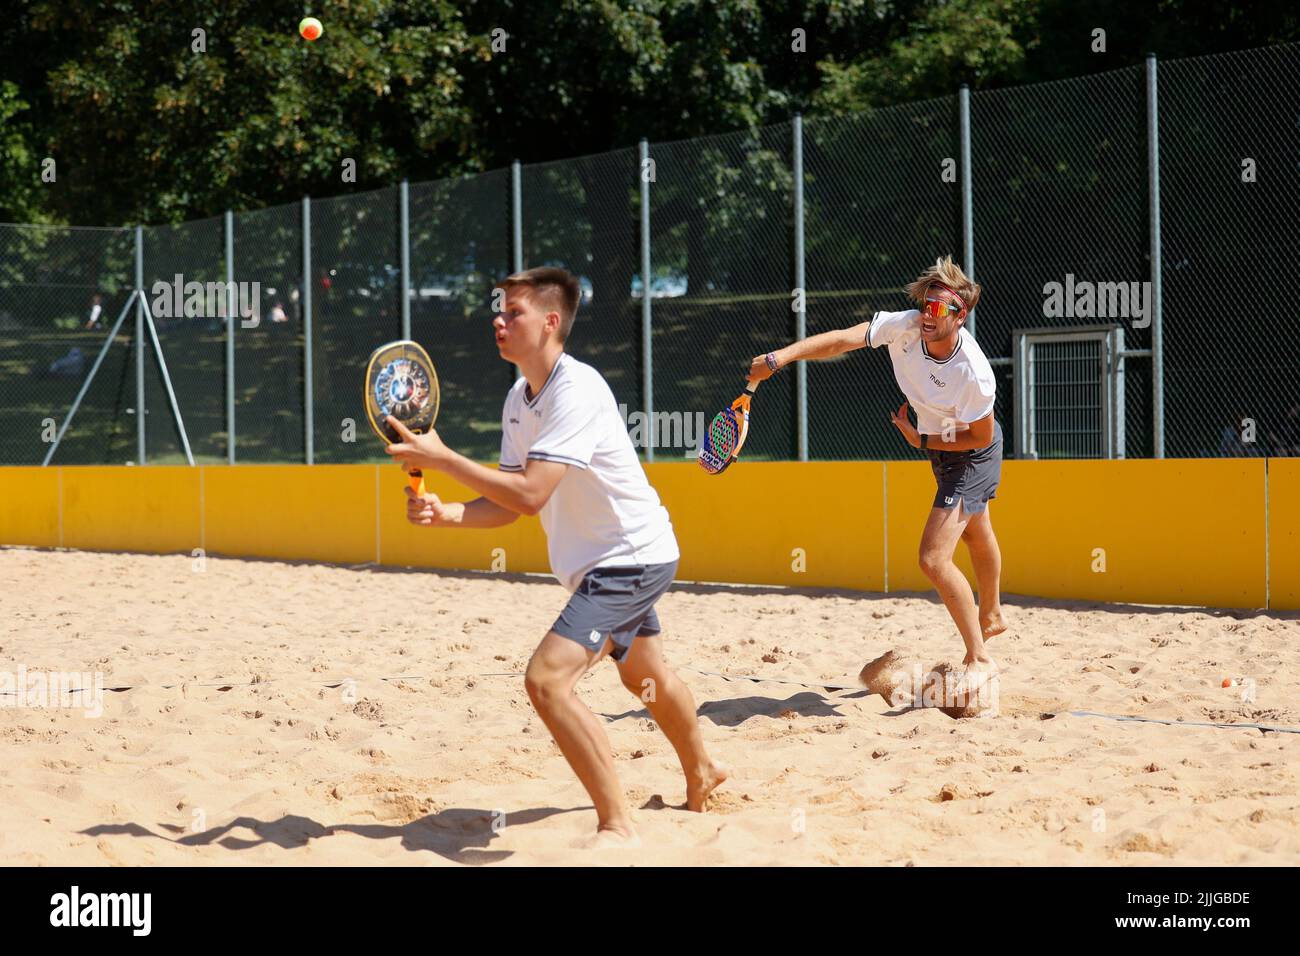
(934, 378)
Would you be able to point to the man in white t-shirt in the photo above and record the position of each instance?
(567, 457)
(944, 375)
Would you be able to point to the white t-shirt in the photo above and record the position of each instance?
(604, 512)
(959, 390)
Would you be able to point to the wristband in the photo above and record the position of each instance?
(924, 440)
(770, 359)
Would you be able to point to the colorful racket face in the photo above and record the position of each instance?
(401, 381)
(726, 434)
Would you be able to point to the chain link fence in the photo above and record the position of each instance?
(721, 260)
(269, 354)
(460, 249)
(356, 307)
(883, 199)
(584, 215)
(1229, 193)
(1061, 197)
(1127, 314)
(61, 292)
(184, 282)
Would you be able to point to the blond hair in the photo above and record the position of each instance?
(948, 274)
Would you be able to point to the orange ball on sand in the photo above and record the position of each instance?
(310, 28)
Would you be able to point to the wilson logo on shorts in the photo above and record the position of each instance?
(948, 500)
(595, 636)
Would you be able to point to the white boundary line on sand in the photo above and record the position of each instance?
(339, 682)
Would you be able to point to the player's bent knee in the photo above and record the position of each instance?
(542, 688)
(931, 563)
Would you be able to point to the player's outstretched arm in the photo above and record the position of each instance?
(823, 346)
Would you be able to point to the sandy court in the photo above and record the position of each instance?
(451, 766)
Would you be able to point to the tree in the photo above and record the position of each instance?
(195, 107)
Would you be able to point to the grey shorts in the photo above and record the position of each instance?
(616, 603)
(970, 477)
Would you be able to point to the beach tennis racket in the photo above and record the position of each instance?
(726, 433)
(401, 381)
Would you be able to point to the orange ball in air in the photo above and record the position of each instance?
(310, 28)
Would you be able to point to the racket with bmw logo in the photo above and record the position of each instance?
(401, 381)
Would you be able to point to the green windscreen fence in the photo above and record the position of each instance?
(460, 249)
(356, 307)
(269, 357)
(584, 215)
(882, 197)
(61, 289)
(1230, 193)
(1061, 225)
(722, 254)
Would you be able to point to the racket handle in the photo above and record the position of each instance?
(416, 479)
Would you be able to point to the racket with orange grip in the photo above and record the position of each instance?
(401, 381)
(726, 433)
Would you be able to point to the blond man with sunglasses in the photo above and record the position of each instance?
(943, 375)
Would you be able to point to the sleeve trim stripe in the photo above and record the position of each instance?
(562, 459)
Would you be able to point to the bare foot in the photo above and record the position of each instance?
(977, 688)
(699, 788)
(992, 623)
(612, 838)
(978, 672)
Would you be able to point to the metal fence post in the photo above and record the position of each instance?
(967, 202)
(139, 347)
(309, 425)
(516, 217)
(647, 345)
(230, 337)
(517, 226)
(1157, 323)
(404, 199)
(801, 293)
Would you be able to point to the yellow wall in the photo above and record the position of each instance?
(750, 523)
(114, 508)
(317, 513)
(1284, 533)
(1174, 531)
(520, 546)
(1178, 531)
(30, 507)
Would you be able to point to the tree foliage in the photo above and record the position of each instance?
(145, 127)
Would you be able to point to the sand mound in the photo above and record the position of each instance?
(904, 682)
